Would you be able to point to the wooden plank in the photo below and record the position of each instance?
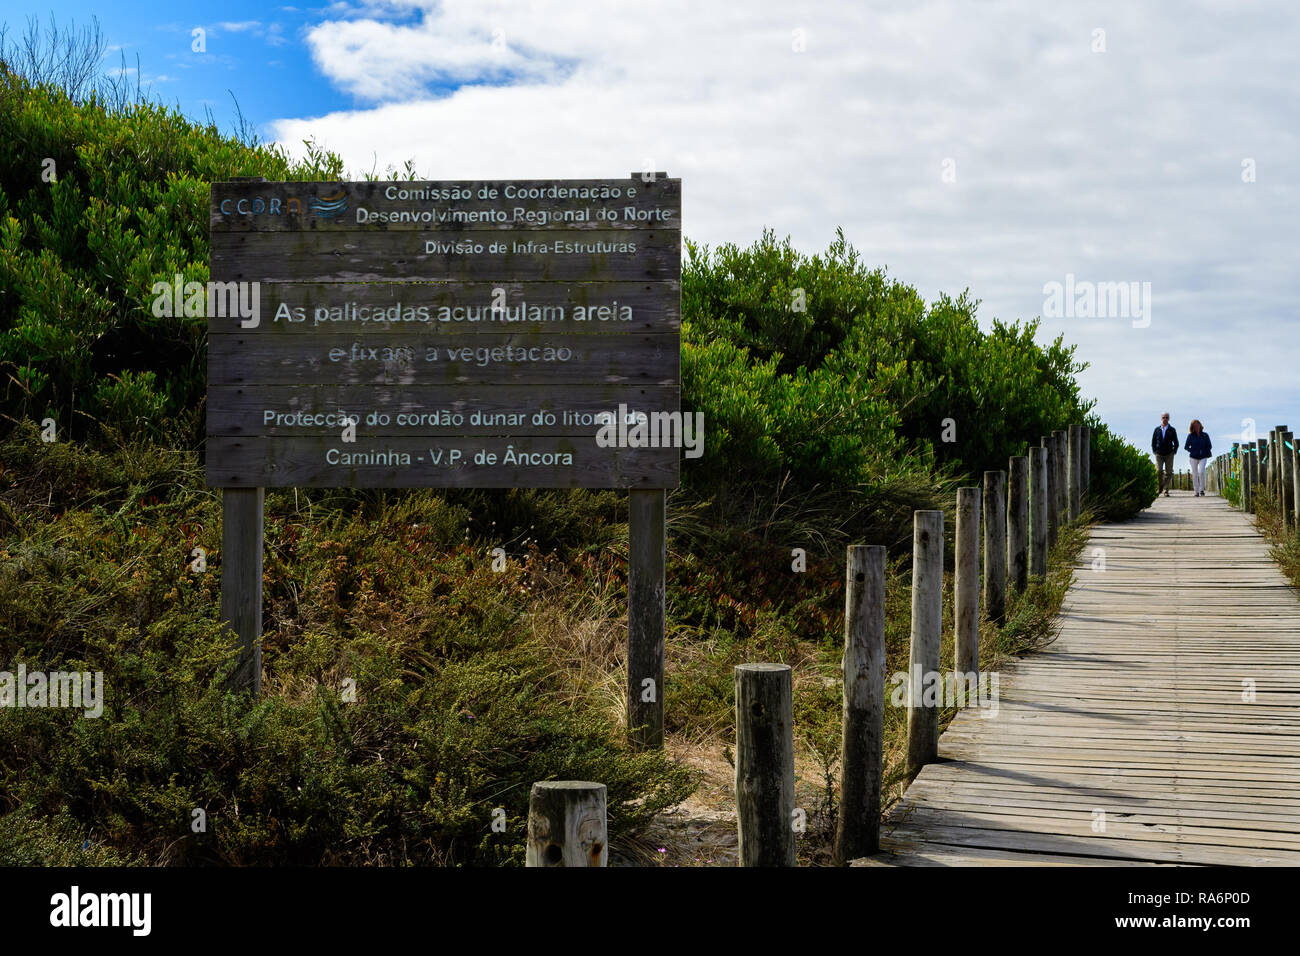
(428, 410)
(487, 359)
(590, 204)
(322, 462)
(566, 255)
(448, 307)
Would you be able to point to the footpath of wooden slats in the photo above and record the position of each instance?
(1131, 740)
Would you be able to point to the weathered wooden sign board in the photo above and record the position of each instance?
(447, 334)
(475, 334)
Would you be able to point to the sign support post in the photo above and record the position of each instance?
(242, 512)
(647, 554)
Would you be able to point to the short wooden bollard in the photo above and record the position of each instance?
(647, 555)
(1075, 471)
(862, 748)
(567, 824)
(1038, 511)
(1049, 459)
(927, 624)
(995, 545)
(765, 765)
(966, 583)
(1018, 523)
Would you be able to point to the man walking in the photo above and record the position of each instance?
(1164, 442)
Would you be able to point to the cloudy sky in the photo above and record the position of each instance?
(998, 146)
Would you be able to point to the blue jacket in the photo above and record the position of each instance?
(1198, 446)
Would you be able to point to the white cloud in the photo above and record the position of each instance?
(1123, 165)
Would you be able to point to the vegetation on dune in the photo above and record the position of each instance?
(825, 387)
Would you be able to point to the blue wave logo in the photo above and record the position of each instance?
(329, 207)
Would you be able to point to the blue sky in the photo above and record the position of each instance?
(1002, 147)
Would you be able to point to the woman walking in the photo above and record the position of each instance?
(1198, 448)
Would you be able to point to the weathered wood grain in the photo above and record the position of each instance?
(447, 307)
(303, 462)
(566, 255)
(341, 359)
(334, 206)
(239, 410)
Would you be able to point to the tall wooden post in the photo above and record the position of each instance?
(1261, 468)
(1247, 479)
(645, 617)
(995, 545)
(862, 748)
(1038, 511)
(1241, 475)
(765, 765)
(927, 622)
(1075, 471)
(567, 825)
(1018, 523)
(1295, 482)
(1062, 476)
(242, 511)
(1085, 458)
(1287, 490)
(966, 585)
(1049, 461)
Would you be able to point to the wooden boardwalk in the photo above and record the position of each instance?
(1135, 712)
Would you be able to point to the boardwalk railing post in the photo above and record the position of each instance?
(1075, 471)
(1062, 480)
(242, 516)
(995, 545)
(1018, 523)
(1085, 458)
(1038, 511)
(1049, 459)
(1287, 490)
(645, 617)
(1259, 464)
(1241, 476)
(966, 586)
(1295, 482)
(1247, 478)
(927, 622)
(567, 825)
(862, 749)
(765, 765)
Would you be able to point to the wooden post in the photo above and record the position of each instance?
(1038, 511)
(1018, 523)
(1247, 478)
(927, 623)
(1049, 458)
(241, 581)
(1085, 459)
(1241, 475)
(645, 617)
(1295, 482)
(1261, 469)
(862, 749)
(966, 584)
(1062, 477)
(1075, 472)
(1287, 502)
(995, 545)
(765, 765)
(567, 824)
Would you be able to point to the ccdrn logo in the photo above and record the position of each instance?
(329, 207)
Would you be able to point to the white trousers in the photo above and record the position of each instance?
(1198, 474)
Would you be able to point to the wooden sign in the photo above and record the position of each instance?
(489, 334)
